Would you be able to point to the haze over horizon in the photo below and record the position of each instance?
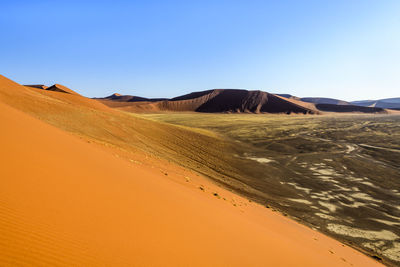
(341, 49)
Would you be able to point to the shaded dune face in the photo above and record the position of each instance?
(231, 100)
(190, 102)
(277, 105)
(234, 101)
(247, 101)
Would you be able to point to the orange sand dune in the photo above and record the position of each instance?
(66, 202)
(34, 100)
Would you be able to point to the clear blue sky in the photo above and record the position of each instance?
(347, 49)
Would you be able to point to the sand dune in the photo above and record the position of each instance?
(217, 100)
(324, 100)
(388, 103)
(67, 202)
(130, 98)
(235, 100)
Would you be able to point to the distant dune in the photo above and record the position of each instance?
(131, 98)
(70, 198)
(388, 103)
(324, 100)
(325, 104)
(236, 101)
(217, 100)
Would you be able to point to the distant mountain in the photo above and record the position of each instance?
(130, 98)
(389, 103)
(316, 100)
(289, 96)
(324, 100)
(215, 100)
(238, 100)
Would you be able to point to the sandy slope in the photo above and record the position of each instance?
(66, 202)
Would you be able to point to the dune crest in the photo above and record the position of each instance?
(38, 86)
(61, 88)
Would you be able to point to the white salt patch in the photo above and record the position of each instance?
(396, 193)
(355, 232)
(369, 184)
(325, 171)
(307, 190)
(325, 216)
(354, 179)
(261, 160)
(350, 148)
(354, 204)
(328, 179)
(343, 188)
(374, 245)
(394, 252)
(329, 206)
(299, 200)
(346, 197)
(387, 222)
(323, 196)
(364, 196)
(391, 216)
(326, 198)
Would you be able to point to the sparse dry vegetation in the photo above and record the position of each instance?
(317, 169)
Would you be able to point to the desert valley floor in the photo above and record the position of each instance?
(338, 174)
(86, 184)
